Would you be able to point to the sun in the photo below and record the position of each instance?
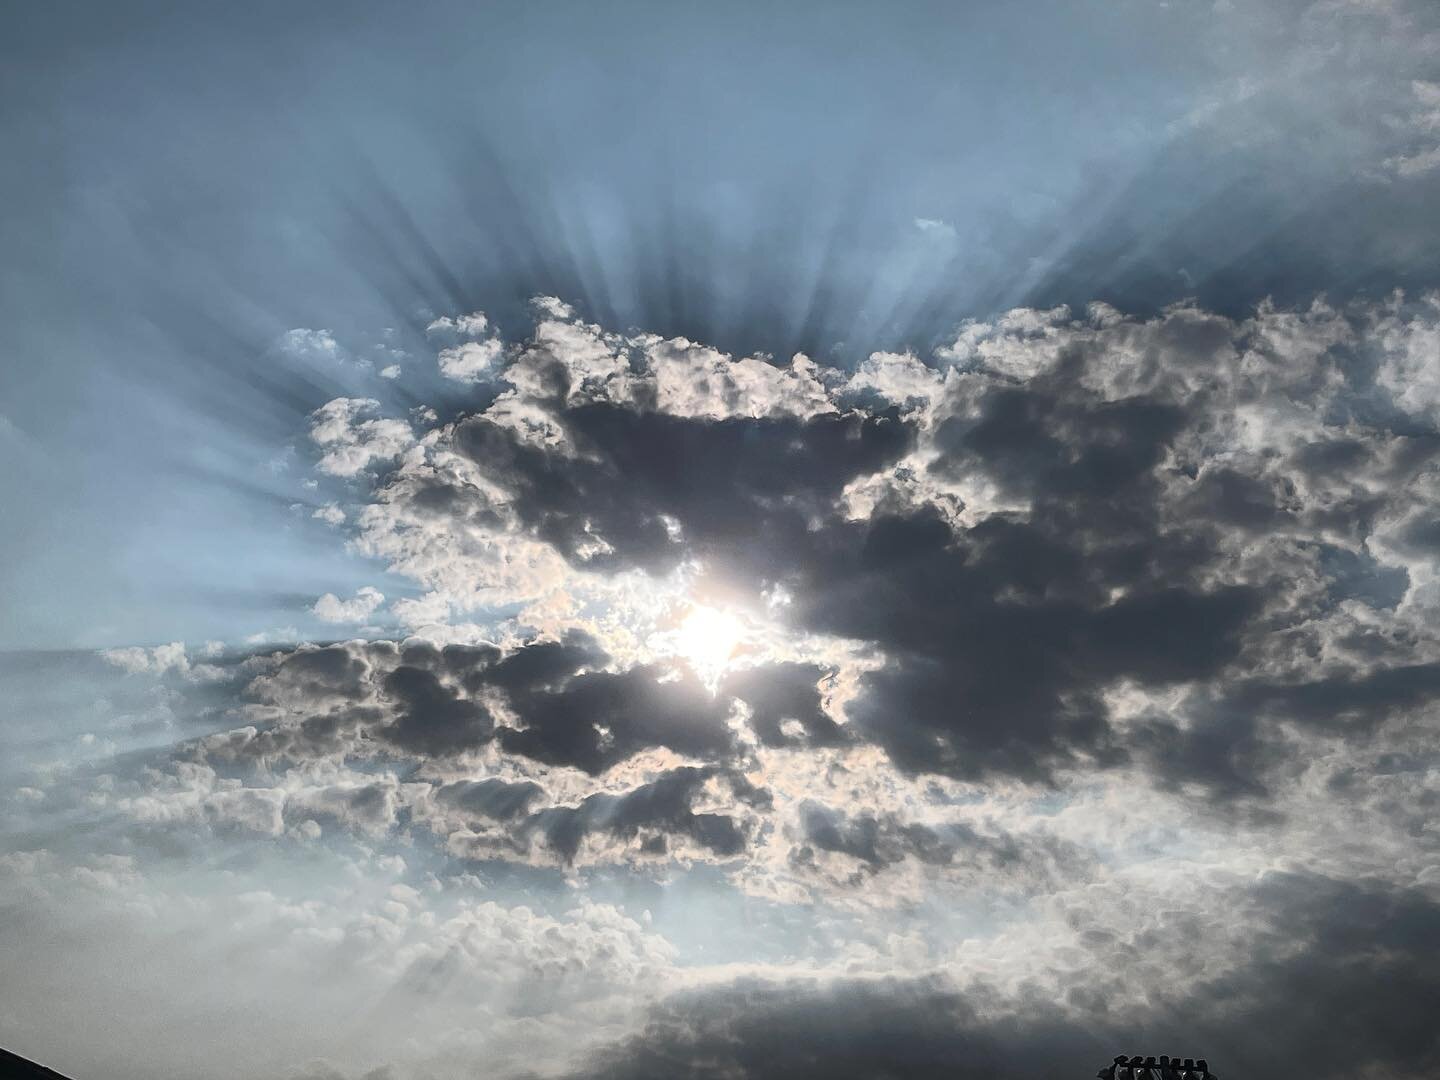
(707, 639)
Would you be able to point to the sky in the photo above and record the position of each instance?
(556, 540)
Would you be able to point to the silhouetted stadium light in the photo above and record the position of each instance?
(1164, 1067)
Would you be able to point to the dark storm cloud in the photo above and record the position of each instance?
(998, 638)
(651, 819)
(569, 716)
(1349, 987)
(599, 719)
(491, 798)
(1346, 702)
(540, 702)
(432, 720)
(655, 812)
(431, 701)
(879, 841)
(1223, 748)
(992, 667)
(744, 490)
(781, 693)
(1231, 739)
(367, 702)
(325, 675)
(885, 1028)
(538, 665)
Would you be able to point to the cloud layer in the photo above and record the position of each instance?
(1063, 690)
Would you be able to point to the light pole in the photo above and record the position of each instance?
(1136, 1067)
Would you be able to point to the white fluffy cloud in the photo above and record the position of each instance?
(155, 661)
(351, 441)
(473, 325)
(361, 606)
(476, 355)
(470, 361)
(692, 380)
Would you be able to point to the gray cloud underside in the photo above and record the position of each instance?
(1339, 991)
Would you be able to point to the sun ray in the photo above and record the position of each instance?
(707, 639)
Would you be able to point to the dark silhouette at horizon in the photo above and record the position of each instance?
(1166, 1067)
(15, 1067)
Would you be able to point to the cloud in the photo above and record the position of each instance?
(464, 977)
(156, 661)
(1409, 337)
(657, 819)
(691, 380)
(1160, 551)
(1047, 684)
(473, 325)
(351, 444)
(1064, 657)
(1348, 951)
(365, 603)
(467, 360)
(470, 361)
(1104, 501)
(306, 344)
(1423, 126)
(935, 227)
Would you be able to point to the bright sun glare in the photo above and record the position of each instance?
(707, 639)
